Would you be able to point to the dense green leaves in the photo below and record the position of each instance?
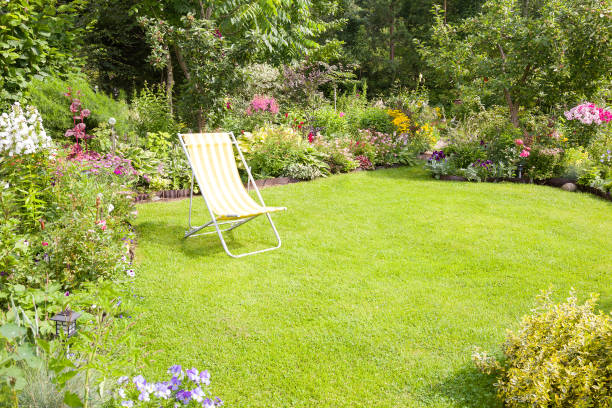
(35, 39)
(524, 54)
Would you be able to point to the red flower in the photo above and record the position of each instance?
(299, 126)
(45, 243)
(310, 137)
(286, 115)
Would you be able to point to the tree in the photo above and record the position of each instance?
(37, 38)
(210, 39)
(525, 53)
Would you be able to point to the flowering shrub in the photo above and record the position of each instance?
(587, 113)
(559, 357)
(189, 388)
(261, 104)
(22, 132)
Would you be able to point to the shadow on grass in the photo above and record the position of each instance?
(468, 388)
(171, 237)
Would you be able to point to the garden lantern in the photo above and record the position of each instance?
(520, 170)
(65, 322)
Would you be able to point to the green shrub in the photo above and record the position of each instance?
(377, 119)
(152, 112)
(462, 155)
(331, 123)
(561, 356)
(48, 96)
(302, 171)
(542, 162)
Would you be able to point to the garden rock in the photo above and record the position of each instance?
(569, 187)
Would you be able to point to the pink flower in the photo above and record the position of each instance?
(524, 153)
(341, 114)
(85, 113)
(310, 137)
(228, 105)
(45, 243)
(519, 142)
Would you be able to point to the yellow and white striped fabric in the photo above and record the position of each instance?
(212, 159)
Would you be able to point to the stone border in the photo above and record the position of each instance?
(558, 182)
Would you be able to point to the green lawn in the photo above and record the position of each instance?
(384, 283)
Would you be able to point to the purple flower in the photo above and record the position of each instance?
(204, 377)
(144, 396)
(130, 273)
(184, 396)
(176, 371)
(127, 404)
(123, 380)
(197, 394)
(193, 375)
(174, 383)
(208, 403)
(140, 382)
(162, 390)
(218, 402)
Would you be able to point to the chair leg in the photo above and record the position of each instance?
(227, 251)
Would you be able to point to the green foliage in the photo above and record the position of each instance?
(302, 172)
(575, 163)
(542, 162)
(48, 96)
(376, 119)
(35, 40)
(159, 143)
(524, 53)
(561, 356)
(153, 112)
(330, 123)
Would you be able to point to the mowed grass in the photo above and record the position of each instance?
(385, 282)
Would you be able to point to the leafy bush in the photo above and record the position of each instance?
(561, 356)
(542, 162)
(48, 96)
(378, 120)
(302, 171)
(331, 123)
(152, 112)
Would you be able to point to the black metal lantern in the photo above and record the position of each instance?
(520, 170)
(65, 322)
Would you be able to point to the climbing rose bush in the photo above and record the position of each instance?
(588, 113)
(185, 388)
(22, 132)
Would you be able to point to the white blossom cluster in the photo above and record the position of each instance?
(22, 132)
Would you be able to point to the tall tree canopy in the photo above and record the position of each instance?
(525, 53)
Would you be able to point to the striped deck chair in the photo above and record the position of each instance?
(213, 165)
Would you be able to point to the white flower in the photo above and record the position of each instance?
(22, 132)
(4, 184)
(110, 208)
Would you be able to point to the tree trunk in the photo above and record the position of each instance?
(444, 12)
(391, 33)
(512, 107)
(183, 65)
(169, 80)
